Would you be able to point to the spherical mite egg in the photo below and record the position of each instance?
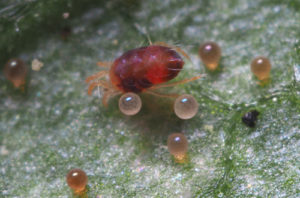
(177, 146)
(130, 103)
(15, 71)
(210, 54)
(261, 67)
(186, 106)
(77, 180)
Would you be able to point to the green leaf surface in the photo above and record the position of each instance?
(54, 125)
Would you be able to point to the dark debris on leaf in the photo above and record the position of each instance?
(65, 32)
(250, 118)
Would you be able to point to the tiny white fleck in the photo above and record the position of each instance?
(66, 15)
(36, 65)
(14, 63)
(259, 61)
(208, 47)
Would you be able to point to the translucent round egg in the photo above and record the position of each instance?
(77, 180)
(261, 67)
(210, 54)
(16, 72)
(185, 106)
(130, 104)
(177, 146)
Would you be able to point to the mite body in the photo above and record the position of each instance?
(140, 70)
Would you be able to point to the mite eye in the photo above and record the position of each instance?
(178, 146)
(130, 104)
(185, 106)
(210, 54)
(261, 67)
(77, 180)
(15, 71)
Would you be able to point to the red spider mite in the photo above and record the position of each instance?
(138, 70)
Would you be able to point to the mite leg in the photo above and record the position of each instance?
(104, 64)
(183, 53)
(162, 95)
(95, 84)
(107, 95)
(176, 83)
(143, 31)
(95, 76)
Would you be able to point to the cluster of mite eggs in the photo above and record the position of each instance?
(177, 146)
(185, 106)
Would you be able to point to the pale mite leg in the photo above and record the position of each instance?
(98, 83)
(162, 95)
(106, 84)
(176, 83)
(107, 95)
(104, 64)
(95, 76)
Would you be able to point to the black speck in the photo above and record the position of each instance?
(250, 118)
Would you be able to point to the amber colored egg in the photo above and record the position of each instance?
(210, 54)
(177, 145)
(77, 180)
(261, 67)
(15, 71)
